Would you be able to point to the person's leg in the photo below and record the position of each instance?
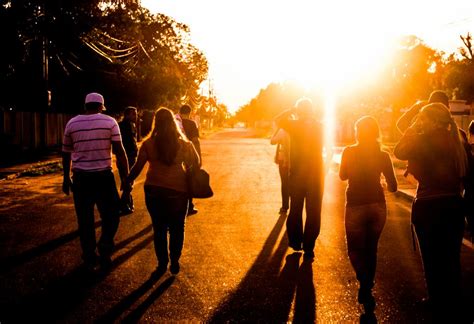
(156, 206)
(376, 222)
(423, 214)
(177, 207)
(312, 227)
(108, 202)
(84, 206)
(285, 190)
(191, 209)
(294, 222)
(354, 222)
(449, 233)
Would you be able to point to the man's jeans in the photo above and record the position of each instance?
(168, 209)
(439, 225)
(90, 189)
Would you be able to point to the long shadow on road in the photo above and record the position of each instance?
(266, 293)
(63, 294)
(23, 257)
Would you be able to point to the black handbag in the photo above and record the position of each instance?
(199, 183)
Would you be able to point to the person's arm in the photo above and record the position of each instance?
(281, 120)
(66, 172)
(389, 173)
(405, 148)
(137, 167)
(343, 172)
(121, 161)
(278, 137)
(191, 157)
(406, 119)
(197, 146)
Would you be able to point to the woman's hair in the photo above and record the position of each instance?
(367, 130)
(440, 117)
(166, 135)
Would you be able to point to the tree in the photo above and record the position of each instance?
(459, 75)
(117, 48)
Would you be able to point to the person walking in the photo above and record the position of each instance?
(192, 133)
(362, 164)
(306, 174)
(165, 150)
(128, 130)
(282, 157)
(437, 159)
(88, 140)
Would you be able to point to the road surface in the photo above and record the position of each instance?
(236, 265)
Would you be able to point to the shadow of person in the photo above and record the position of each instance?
(17, 260)
(126, 303)
(305, 299)
(137, 313)
(259, 297)
(286, 286)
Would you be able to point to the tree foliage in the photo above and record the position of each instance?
(119, 49)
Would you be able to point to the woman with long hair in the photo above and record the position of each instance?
(362, 164)
(169, 153)
(437, 159)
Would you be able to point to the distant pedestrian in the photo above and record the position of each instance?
(165, 150)
(306, 174)
(362, 164)
(88, 141)
(469, 183)
(437, 159)
(282, 157)
(128, 130)
(192, 133)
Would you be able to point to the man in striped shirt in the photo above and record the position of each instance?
(88, 142)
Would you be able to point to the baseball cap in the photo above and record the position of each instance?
(94, 97)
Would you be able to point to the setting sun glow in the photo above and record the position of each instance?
(326, 43)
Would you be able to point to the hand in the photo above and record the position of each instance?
(67, 184)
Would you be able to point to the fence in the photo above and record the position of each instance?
(30, 131)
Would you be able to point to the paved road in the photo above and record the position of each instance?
(235, 265)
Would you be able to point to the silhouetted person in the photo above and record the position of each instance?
(192, 133)
(282, 158)
(306, 174)
(469, 182)
(362, 164)
(437, 159)
(128, 130)
(88, 140)
(165, 150)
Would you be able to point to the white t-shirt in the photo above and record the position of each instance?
(89, 140)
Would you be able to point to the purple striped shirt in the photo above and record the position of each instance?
(89, 140)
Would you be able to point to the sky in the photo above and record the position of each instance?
(251, 43)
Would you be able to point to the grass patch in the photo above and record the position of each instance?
(42, 169)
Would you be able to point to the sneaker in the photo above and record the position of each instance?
(174, 268)
(192, 212)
